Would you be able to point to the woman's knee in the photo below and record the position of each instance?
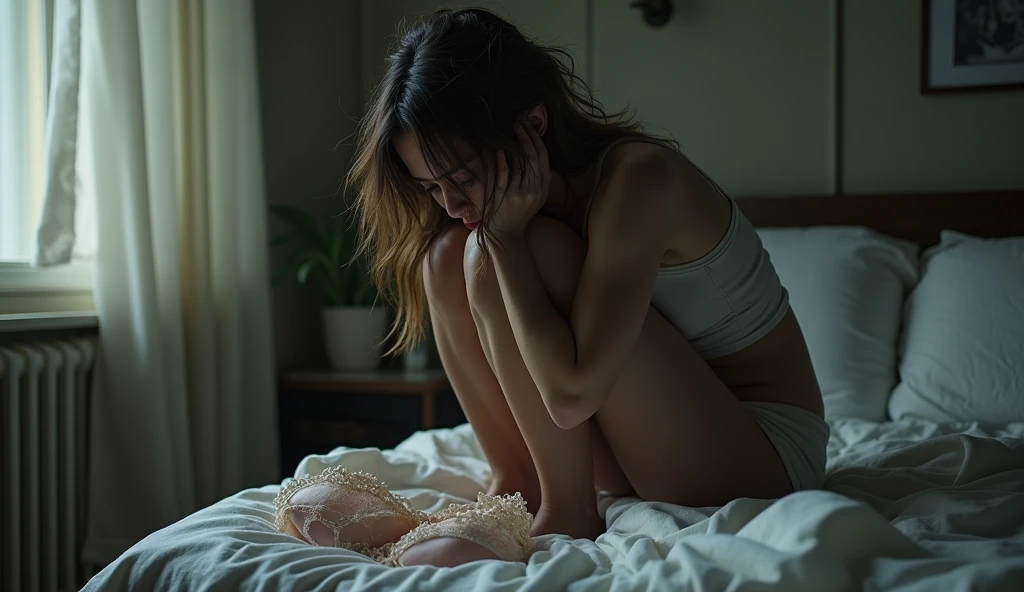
(558, 253)
(480, 281)
(443, 278)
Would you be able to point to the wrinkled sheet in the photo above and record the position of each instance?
(909, 505)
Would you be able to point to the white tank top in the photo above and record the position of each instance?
(726, 300)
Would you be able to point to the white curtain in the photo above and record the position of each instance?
(168, 145)
(57, 226)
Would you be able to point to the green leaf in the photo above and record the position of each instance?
(286, 269)
(337, 241)
(349, 234)
(303, 222)
(307, 266)
(325, 250)
(350, 278)
(330, 288)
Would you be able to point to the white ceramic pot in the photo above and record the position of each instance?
(354, 336)
(417, 358)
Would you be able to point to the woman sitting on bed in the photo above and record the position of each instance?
(607, 316)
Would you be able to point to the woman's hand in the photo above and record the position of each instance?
(522, 193)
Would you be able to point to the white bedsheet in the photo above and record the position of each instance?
(911, 506)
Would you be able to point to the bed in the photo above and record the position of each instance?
(925, 485)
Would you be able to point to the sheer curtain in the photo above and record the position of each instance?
(168, 146)
(59, 227)
(24, 46)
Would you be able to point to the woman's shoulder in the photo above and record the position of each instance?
(663, 193)
(635, 165)
(628, 155)
(650, 175)
(636, 188)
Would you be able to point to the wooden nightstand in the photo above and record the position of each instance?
(320, 410)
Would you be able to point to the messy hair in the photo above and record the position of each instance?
(467, 76)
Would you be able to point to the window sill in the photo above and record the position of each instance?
(48, 321)
(25, 289)
(18, 277)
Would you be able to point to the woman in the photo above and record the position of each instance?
(607, 316)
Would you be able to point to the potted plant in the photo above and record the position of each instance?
(325, 253)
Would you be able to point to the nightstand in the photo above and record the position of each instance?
(320, 410)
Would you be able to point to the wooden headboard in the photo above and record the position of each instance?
(917, 217)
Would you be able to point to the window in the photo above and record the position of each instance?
(23, 84)
(26, 33)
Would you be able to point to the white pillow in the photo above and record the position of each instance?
(963, 346)
(847, 287)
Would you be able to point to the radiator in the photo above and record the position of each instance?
(44, 387)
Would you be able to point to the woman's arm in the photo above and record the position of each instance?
(575, 364)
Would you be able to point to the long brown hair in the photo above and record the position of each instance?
(464, 75)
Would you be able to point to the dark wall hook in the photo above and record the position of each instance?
(656, 12)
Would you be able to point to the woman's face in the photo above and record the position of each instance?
(461, 199)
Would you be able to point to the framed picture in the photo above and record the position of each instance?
(972, 45)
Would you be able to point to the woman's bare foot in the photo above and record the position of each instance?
(579, 523)
(502, 485)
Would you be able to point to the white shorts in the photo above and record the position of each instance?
(799, 436)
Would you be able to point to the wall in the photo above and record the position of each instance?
(748, 87)
(744, 85)
(702, 98)
(754, 111)
(900, 140)
(308, 59)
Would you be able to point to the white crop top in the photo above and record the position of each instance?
(727, 299)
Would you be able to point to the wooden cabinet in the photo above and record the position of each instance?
(321, 410)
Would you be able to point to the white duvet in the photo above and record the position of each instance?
(910, 506)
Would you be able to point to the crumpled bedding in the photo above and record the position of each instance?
(908, 505)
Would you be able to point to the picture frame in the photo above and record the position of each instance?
(970, 45)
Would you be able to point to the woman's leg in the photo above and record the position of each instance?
(677, 432)
(475, 387)
(563, 457)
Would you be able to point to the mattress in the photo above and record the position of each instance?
(908, 505)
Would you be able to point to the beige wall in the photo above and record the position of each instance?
(744, 85)
(758, 120)
(754, 111)
(900, 140)
(747, 87)
(308, 65)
